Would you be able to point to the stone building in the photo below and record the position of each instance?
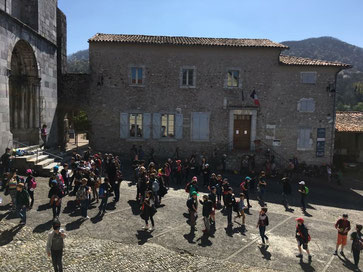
(32, 55)
(195, 93)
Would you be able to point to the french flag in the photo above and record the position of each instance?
(255, 98)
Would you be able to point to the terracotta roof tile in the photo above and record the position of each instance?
(144, 39)
(349, 121)
(291, 60)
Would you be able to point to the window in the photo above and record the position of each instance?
(200, 126)
(168, 125)
(188, 77)
(308, 77)
(137, 76)
(304, 141)
(306, 105)
(135, 125)
(232, 78)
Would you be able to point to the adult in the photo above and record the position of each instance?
(206, 212)
(302, 238)
(22, 202)
(357, 244)
(343, 227)
(5, 162)
(12, 188)
(66, 178)
(286, 191)
(261, 186)
(104, 193)
(229, 203)
(245, 188)
(43, 135)
(116, 186)
(55, 245)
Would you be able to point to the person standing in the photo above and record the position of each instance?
(83, 194)
(262, 187)
(357, 244)
(303, 190)
(241, 208)
(245, 188)
(55, 245)
(30, 185)
(192, 205)
(213, 197)
(22, 202)
(5, 161)
(262, 223)
(206, 212)
(104, 193)
(148, 211)
(116, 186)
(343, 227)
(43, 135)
(12, 187)
(302, 238)
(229, 202)
(56, 195)
(66, 178)
(286, 190)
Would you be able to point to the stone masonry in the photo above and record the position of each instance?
(277, 82)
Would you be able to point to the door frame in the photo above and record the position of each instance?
(253, 114)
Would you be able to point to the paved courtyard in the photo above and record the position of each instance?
(116, 242)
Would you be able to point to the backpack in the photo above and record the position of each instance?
(306, 190)
(81, 193)
(102, 192)
(32, 184)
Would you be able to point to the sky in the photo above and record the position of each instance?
(278, 20)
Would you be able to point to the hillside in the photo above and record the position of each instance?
(350, 82)
(78, 62)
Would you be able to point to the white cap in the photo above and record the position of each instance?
(302, 182)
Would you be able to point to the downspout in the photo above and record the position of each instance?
(334, 117)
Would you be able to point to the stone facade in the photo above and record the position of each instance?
(277, 123)
(28, 28)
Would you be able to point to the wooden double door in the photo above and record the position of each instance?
(242, 132)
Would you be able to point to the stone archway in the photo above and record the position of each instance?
(24, 84)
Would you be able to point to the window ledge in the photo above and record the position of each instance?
(205, 141)
(137, 85)
(232, 88)
(187, 87)
(305, 149)
(167, 140)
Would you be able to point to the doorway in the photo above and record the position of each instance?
(242, 132)
(24, 87)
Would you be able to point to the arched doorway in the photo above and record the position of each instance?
(24, 86)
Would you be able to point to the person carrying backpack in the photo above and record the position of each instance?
(82, 195)
(104, 193)
(302, 238)
(262, 223)
(357, 244)
(30, 185)
(55, 245)
(303, 190)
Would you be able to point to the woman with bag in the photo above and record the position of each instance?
(148, 210)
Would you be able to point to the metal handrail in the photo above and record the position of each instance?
(37, 150)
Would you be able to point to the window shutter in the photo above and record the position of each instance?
(204, 126)
(124, 125)
(178, 126)
(146, 123)
(195, 126)
(156, 125)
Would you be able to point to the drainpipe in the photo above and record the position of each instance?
(334, 115)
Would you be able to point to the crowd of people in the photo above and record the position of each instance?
(95, 177)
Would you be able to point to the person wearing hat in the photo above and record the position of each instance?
(303, 193)
(302, 238)
(55, 245)
(30, 185)
(22, 202)
(192, 204)
(192, 186)
(343, 227)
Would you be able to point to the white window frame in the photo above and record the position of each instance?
(192, 136)
(239, 80)
(305, 77)
(142, 67)
(194, 76)
(167, 126)
(301, 147)
(135, 123)
(304, 105)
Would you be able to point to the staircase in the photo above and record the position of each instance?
(37, 159)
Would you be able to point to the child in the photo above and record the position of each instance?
(302, 237)
(343, 227)
(262, 223)
(207, 209)
(241, 208)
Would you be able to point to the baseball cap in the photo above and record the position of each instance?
(302, 182)
(195, 178)
(300, 219)
(248, 178)
(195, 193)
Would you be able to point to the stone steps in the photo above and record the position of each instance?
(41, 162)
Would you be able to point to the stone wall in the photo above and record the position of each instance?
(45, 50)
(278, 88)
